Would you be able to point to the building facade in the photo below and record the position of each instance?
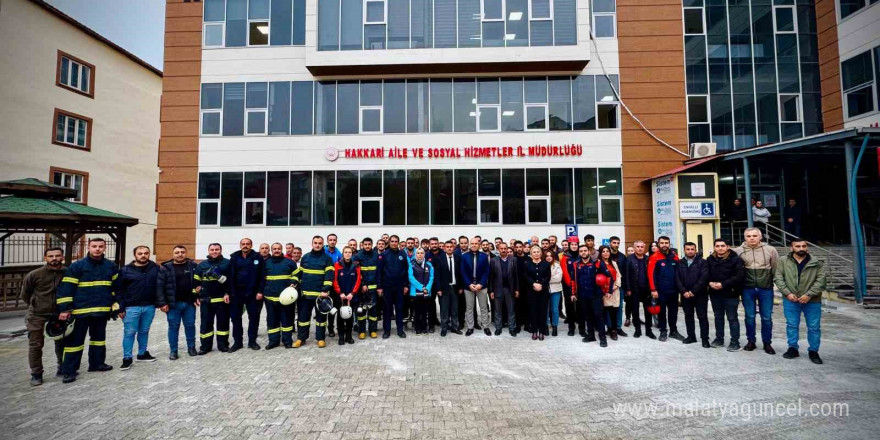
(99, 103)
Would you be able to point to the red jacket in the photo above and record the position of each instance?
(664, 277)
(347, 279)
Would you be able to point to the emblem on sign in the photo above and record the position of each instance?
(331, 154)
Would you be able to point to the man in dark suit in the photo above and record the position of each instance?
(475, 278)
(447, 284)
(504, 287)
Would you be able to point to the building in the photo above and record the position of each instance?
(100, 104)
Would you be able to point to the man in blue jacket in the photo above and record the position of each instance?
(246, 267)
(368, 260)
(662, 268)
(212, 285)
(475, 279)
(589, 296)
(393, 272)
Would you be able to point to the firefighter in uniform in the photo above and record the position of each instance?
(86, 294)
(213, 288)
(278, 274)
(315, 279)
(368, 260)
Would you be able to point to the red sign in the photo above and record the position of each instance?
(567, 150)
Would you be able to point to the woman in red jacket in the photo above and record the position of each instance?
(346, 284)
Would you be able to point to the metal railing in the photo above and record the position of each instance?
(28, 249)
(871, 235)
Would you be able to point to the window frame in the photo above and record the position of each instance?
(361, 110)
(480, 200)
(244, 216)
(480, 108)
(219, 111)
(361, 201)
(545, 106)
(702, 15)
(800, 112)
(613, 16)
(257, 21)
(91, 91)
(222, 25)
(794, 19)
(872, 84)
(84, 195)
(199, 213)
(384, 21)
(89, 123)
(840, 17)
(533, 18)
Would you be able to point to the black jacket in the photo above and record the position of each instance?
(728, 271)
(167, 282)
(693, 278)
(245, 274)
(620, 259)
(496, 281)
(137, 286)
(637, 275)
(443, 273)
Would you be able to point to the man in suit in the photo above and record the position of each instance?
(475, 278)
(504, 287)
(447, 283)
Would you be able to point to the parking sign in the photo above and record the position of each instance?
(571, 231)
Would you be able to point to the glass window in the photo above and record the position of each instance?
(208, 213)
(375, 11)
(606, 116)
(231, 199)
(536, 182)
(282, 16)
(603, 25)
(209, 185)
(561, 196)
(536, 117)
(584, 94)
(445, 30)
(857, 70)
(299, 22)
(300, 198)
(511, 104)
(604, 6)
(73, 181)
(254, 185)
(541, 32)
(441, 105)
(351, 27)
(416, 197)
(371, 212)
(254, 212)
(213, 35)
(488, 118)
(422, 23)
(256, 122)
(328, 25)
(859, 101)
(465, 197)
(493, 23)
(465, 105)
(347, 198)
(489, 183)
(233, 109)
(513, 196)
(210, 123)
(374, 37)
(256, 95)
(784, 19)
(517, 33)
(849, 7)
(560, 103)
(215, 10)
(537, 211)
(325, 107)
(325, 198)
(586, 200)
(469, 23)
(277, 197)
(536, 90)
(610, 210)
(540, 9)
(258, 9)
(394, 106)
(371, 183)
(417, 116)
(693, 21)
(236, 23)
(441, 197)
(212, 96)
(279, 108)
(789, 108)
(490, 211)
(398, 24)
(394, 190)
(347, 107)
(698, 110)
(609, 182)
(565, 22)
(301, 114)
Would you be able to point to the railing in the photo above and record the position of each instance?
(10, 287)
(29, 249)
(871, 234)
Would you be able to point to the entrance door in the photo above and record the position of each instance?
(703, 234)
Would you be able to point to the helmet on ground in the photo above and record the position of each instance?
(288, 296)
(345, 312)
(654, 308)
(603, 282)
(325, 306)
(56, 329)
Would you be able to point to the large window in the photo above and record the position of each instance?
(405, 24)
(850, 7)
(557, 103)
(73, 179)
(72, 130)
(415, 197)
(75, 74)
(859, 80)
(238, 23)
(604, 18)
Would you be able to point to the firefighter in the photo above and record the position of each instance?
(314, 280)
(368, 259)
(212, 285)
(86, 294)
(278, 274)
(346, 286)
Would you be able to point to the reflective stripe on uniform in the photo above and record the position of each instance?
(70, 280)
(197, 278)
(98, 343)
(216, 300)
(328, 268)
(321, 324)
(219, 333)
(277, 277)
(64, 299)
(372, 286)
(328, 283)
(310, 293)
(273, 330)
(368, 268)
(114, 277)
(287, 329)
(313, 271)
(74, 349)
(303, 323)
(91, 310)
(361, 318)
(206, 335)
(373, 318)
(272, 298)
(94, 283)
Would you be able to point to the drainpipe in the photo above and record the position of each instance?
(747, 181)
(855, 226)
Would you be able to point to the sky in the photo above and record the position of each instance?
(136, 25)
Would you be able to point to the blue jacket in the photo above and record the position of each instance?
(278, 273)
(368, 262)
(336, 255)
(393, 269)
(87, 288)
(585, 278)
(348, 279)
(315, 274)
(467, 269)
(246, 273)
(208, 274)
(421, 277)
(662, 272)
(138, 286)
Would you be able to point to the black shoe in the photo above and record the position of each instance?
(590, 338)
(706, 344)
(401, 334)
(554, 332)
(36, 380)
(331, 333)
(100, 368)
(203, 352)
(456, 331)
(443, 333)
(235, 347)
(271, 345)
(718, 343)
(58, 372)
(603, 343)
(571, 331)
(126, 364)
(226, 349)
(431, 329)
(469, 332)
(689, 340)
(514, 333)
(146, 357)
(585, 340)
(750, 346)
(288, 345)
(814, 357)
(255, 346)
(638, 333)
(769, 349)
(349, 340)
(68, 378)
(386, 335)
(620, 332)
(498, 332)
(173, 356)
(791, 353)
(676, 335)
(583, 333)
(477, 327)
(662, 337)
(734, 346)
(650, 335)
(192, 351)
(488, 332)
(341, 341)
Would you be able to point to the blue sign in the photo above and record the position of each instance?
(707, 209)
(571, 231)
(606, 242)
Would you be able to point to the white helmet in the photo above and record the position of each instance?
(345, 312)
(288, 296)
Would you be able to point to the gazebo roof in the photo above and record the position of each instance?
(34, 200)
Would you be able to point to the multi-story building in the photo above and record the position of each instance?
(99, 102)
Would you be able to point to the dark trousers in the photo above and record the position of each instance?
(279, 322)
(237, 307)
(722, 306)
(700, 303)
(36, 340)
(449, 308)
(571, 311)
(211, 309)
(373, 310)
(421, 304)
(304, 307)
(521, 305)
(462, 307)
(504, 301)
(74, 343)
(538, 303)
(344, 326)
(631, 305)
(611, 313)
(668, 312)
(393, 305)
(592, 310)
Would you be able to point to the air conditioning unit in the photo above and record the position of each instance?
(702, 149)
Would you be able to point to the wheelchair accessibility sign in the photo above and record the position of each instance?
(696, 210)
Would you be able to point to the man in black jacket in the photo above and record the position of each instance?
(138, 297)
(177, 285)
(245, 266)
(619, 258)
(726, 276)
(447, 284)
(691, 280)
(638, 292)
(504, 287)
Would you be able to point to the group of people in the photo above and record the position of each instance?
(475, 284)
(791, 213)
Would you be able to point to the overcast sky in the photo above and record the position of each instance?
(136, 25)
